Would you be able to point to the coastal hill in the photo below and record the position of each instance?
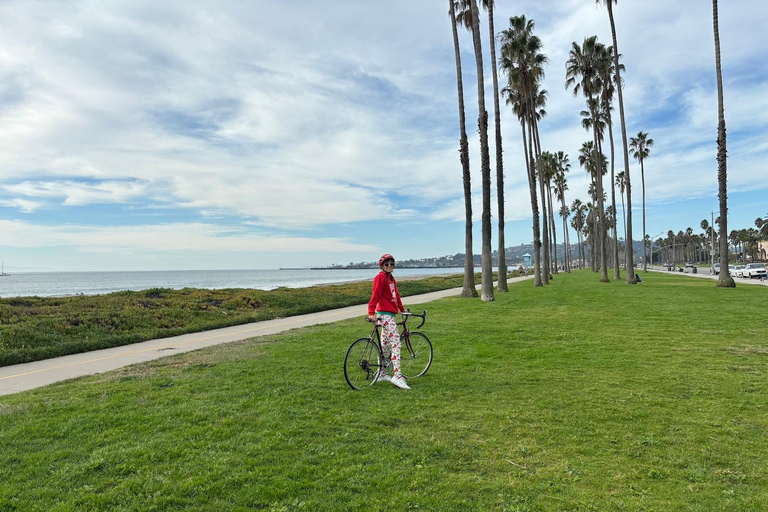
(514, 257)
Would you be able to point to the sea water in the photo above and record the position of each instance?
(61, 284)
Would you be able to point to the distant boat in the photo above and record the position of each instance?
(2, 270)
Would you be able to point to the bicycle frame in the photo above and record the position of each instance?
(405, 333)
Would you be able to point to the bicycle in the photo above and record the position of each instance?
(364, 361)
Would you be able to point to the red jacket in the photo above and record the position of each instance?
(385, 297)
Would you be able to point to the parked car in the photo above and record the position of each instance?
(754, 270)
(715, 269)
(738, 271)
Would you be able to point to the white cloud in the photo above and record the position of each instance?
(306, 115)
(193, 237)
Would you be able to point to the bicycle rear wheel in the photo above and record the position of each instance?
(362, 363)
(415, 355)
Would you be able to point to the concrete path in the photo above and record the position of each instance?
(21, 377)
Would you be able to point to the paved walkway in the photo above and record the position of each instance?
(21, 377)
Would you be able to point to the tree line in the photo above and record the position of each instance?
(594, 71)
(703, 247)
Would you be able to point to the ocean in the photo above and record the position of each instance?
(62, 284)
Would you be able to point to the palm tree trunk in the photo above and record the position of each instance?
(502, 286)
(628, 249)
(624, 217)
(468, 289)
(642, 181)
(724, 279)
(529, 162)
(552, 229)
(616, 269)
(486, 289)
(544, 231)
(566, 256)
(600, 203)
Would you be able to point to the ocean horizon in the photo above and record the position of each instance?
(63, 284)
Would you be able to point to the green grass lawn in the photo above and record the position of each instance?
(575, 396)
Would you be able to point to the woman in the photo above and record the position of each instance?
(384, 305)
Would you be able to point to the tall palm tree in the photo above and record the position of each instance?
(486, 288)
(537, 115)
(621, 182)
(628, 250)
(640, 148)
(587, 160)
(582, 73)
(607, 76)
(579, 210)
(502, 287)
(523, 63)
(515, 100)
(547, 173)
(468, 289)
(724, 278)
(562, 166)
(565, 212)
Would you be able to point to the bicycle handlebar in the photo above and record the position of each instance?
(407, 313)
(423, 316)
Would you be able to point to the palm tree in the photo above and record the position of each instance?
(628, 251)
(547, 173)
(640, 148)
(582, 73)
(469, 289)
(502, 287)
(705, 226)
(621, 182)
(724, 279)
(579, 210)
(565, 212)
(486, 289)
(562, 166)
(537, 115)
(523, 64)
(515, 100)
(762, 226)
(607, 75)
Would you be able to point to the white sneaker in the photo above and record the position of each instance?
(399, 381)
(383, 377)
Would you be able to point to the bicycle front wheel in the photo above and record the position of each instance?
(415, 355)
(362, 363)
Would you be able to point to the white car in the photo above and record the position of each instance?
(738, 271)
(754, 270)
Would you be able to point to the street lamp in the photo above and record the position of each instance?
(652, 238)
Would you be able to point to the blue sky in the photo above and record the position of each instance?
(207, 135)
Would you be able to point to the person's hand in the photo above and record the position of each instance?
(372, 318)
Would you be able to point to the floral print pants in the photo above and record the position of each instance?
(390, 338)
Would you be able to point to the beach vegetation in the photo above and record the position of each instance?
(35, 328)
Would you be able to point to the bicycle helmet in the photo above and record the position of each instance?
(385, 257)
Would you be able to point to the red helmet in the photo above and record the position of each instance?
(385, 257)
